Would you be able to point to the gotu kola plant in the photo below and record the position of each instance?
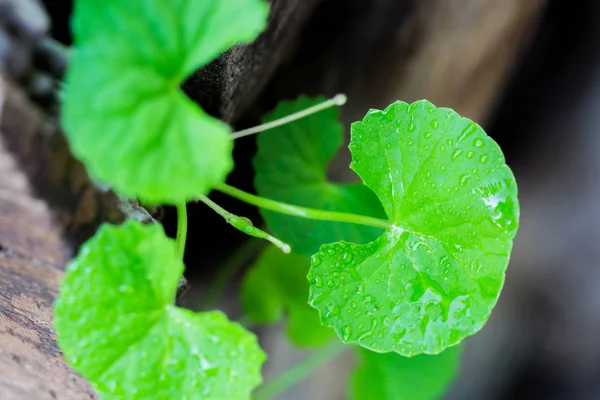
(401, 266)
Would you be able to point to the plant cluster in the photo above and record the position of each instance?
(399, 266)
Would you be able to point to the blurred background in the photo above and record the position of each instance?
(528, 71)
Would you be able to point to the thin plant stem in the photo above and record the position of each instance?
(181, 229)
(300, 371)
(244, 224)
(227, 271)
(302, 212)
(337, 100)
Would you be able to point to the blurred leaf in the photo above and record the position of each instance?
(124, 113)
(394, 377)
(291, 167)
(276, 284)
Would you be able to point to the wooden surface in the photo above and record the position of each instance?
(32, 257)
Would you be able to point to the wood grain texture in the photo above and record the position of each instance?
(456, 53)
(78, 204)
(32, 258)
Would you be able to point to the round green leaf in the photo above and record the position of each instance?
(124, 113)
(291, 167)
(394, 377)
(117, 324)
(276, 284)
(434, 278)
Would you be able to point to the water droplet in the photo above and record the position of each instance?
(484, 158)
(412, 127)
(450, 142)
(316, 261)
(456, 153)
(427, 135)
(435, 123)
(474, 171)
(318, 281)
(399, 334)
(410, 142)
(368, 299)
(478, 143)
(347, 257)
(331, 310)
(468, 131)
(330, 283)
(470, 154)
(464, 179)
(346, 333)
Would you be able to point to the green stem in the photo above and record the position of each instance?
(181, 229)
(302, 212)
(299, 371)
(228, 270)
(244, 224)
(337, 100)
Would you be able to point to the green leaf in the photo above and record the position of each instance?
(124, 113)
(394, 377)
(117, 324)
(276, 284)
(434, 278)
(291, 167)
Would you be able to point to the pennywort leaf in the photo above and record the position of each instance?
(432, 279)
(124, 113)
(394, 377)
(277, 284)
(118, 326)
(291, 167)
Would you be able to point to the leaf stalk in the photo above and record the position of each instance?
(181, 229)
(302, 212)
(337, 100)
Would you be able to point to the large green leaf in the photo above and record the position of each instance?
(276, 284)
(394, 377)
(124, 113)
(117, 324)
(291, 167)
(434, 277)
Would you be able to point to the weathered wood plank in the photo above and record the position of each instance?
(32, 257)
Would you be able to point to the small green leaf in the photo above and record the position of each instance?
(434, 278)
(117, 324)
(394, 377)
(124, 113)
(291, 167)
(276, 284)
